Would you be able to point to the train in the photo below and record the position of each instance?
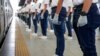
(6, 16)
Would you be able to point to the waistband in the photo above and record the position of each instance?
(56, 7)
(81, 5)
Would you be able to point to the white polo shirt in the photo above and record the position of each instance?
(49, 9)
(36, 5)
(28, 7)
(43, 3)
(78, 2)
(33, 6)
(38, 9)
(20, 10)
(23, 10)
(55, 3)
(67, 4)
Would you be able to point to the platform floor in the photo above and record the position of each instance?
(27, 45)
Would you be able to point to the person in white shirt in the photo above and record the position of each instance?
(43, 20)
(58, 19)
(49, 18)
(28, 9)
(35, 17)
(24, 15)
(69, 8)
(85, 21)
(39, 12)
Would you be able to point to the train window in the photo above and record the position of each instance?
(1, 1)
(0, 26)
(5, 4)
(0, 18)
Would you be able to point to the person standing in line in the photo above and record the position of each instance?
(35, 17)
(85, 21)
(43, 18)
(69, 7)
(49, 18)
(58, 19)
(28, 8)
(39, 12)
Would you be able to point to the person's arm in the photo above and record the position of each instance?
(86, 5)
(82, 21)
(56, 16)
(60, 2)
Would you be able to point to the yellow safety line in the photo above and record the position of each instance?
(20, 45)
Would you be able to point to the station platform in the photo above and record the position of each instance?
(19, 42)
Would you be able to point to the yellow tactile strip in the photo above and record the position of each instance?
(20, 45)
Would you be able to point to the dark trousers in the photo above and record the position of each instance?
(59, 31)
(29, 21)
(50, 22)
(69, 26)
(44, 23)
(38, 15)
(35, 22)
(26, 20)
(86, 34)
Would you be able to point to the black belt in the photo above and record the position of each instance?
(81, 5)
(56, 7)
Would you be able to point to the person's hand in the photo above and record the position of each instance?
(66, 19)
(50, 18)
(82, 21)
(34, 17)
(27, 15)
(55, 19)
(42, 16)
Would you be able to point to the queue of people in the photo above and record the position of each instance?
(59, 13)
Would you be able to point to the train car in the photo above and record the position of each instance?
(6, 13)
